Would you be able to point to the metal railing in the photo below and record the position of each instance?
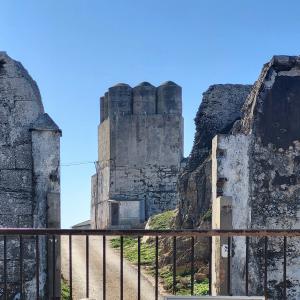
(53, 234)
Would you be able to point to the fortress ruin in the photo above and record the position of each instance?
(140, 151)
(256, 168)
(29, 177)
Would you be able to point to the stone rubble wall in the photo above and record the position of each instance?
(257, 165)
(221, 106)
(271, 116)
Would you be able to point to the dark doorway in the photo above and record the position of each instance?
(114, 213)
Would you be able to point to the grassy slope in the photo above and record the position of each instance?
(160, 221)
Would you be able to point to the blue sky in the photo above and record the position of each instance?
(76, 49)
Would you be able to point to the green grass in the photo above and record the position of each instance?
(183, 283)
(65, 289)
(130, 245)
(131, 250)
(163, 220)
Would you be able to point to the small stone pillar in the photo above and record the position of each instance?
(221, 219)
(46, 175)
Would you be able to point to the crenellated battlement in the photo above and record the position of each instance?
(140, 148)
(143, 99)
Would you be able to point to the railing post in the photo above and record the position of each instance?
(54, 271)
(220, 256)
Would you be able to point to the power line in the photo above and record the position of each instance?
(77, 163)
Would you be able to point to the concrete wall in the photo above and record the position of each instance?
(29, 171)
(230, 178)
(140, 150)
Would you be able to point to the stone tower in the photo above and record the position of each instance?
(140, 150)
(29, 175)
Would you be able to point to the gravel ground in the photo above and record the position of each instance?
(95, 273)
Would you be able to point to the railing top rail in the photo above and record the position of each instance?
(163, 233)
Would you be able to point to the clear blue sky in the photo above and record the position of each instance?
(76, 49)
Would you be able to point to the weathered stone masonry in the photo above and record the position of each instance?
(140, 150)
(257, 166)
(220, 107)
(29, 174)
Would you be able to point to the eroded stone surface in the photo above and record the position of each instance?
(23, 196)
(258, 167)
(220, 108)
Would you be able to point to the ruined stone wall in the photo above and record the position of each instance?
(29, 172)
(272, 117)
(220, 107)
(266, 193)
(140, 150)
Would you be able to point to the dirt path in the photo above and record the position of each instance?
(95, 277)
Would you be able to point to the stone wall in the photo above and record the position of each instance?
(221, 106)
(266, 190)
(29, 172)
(140, 151)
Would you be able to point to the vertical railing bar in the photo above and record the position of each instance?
(210, 265)
(284, 268)
(5, 267)
(192, 264)
(54, 266)
(139, 268)
(121, 267)
(266, 267)
(156, 268)
(104, 267)
(21, 266)
(229, 267)
(48, 258)
(174, 265)
(37, 267)
(247, 266)
(70, 267)
(87, 265)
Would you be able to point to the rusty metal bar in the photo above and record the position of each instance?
(21, 266)
(229, 267)
(70, 267)
(121, 267)
(247, 266)
(266, 267)
(284, 269)
(54, 267)
(5, 266)
(192, 264)
(37, 267)
(174, 265)
(162, 233)
(104, 267)
(139, 268)
(156, 268)
(87, 291)
(209, 265)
